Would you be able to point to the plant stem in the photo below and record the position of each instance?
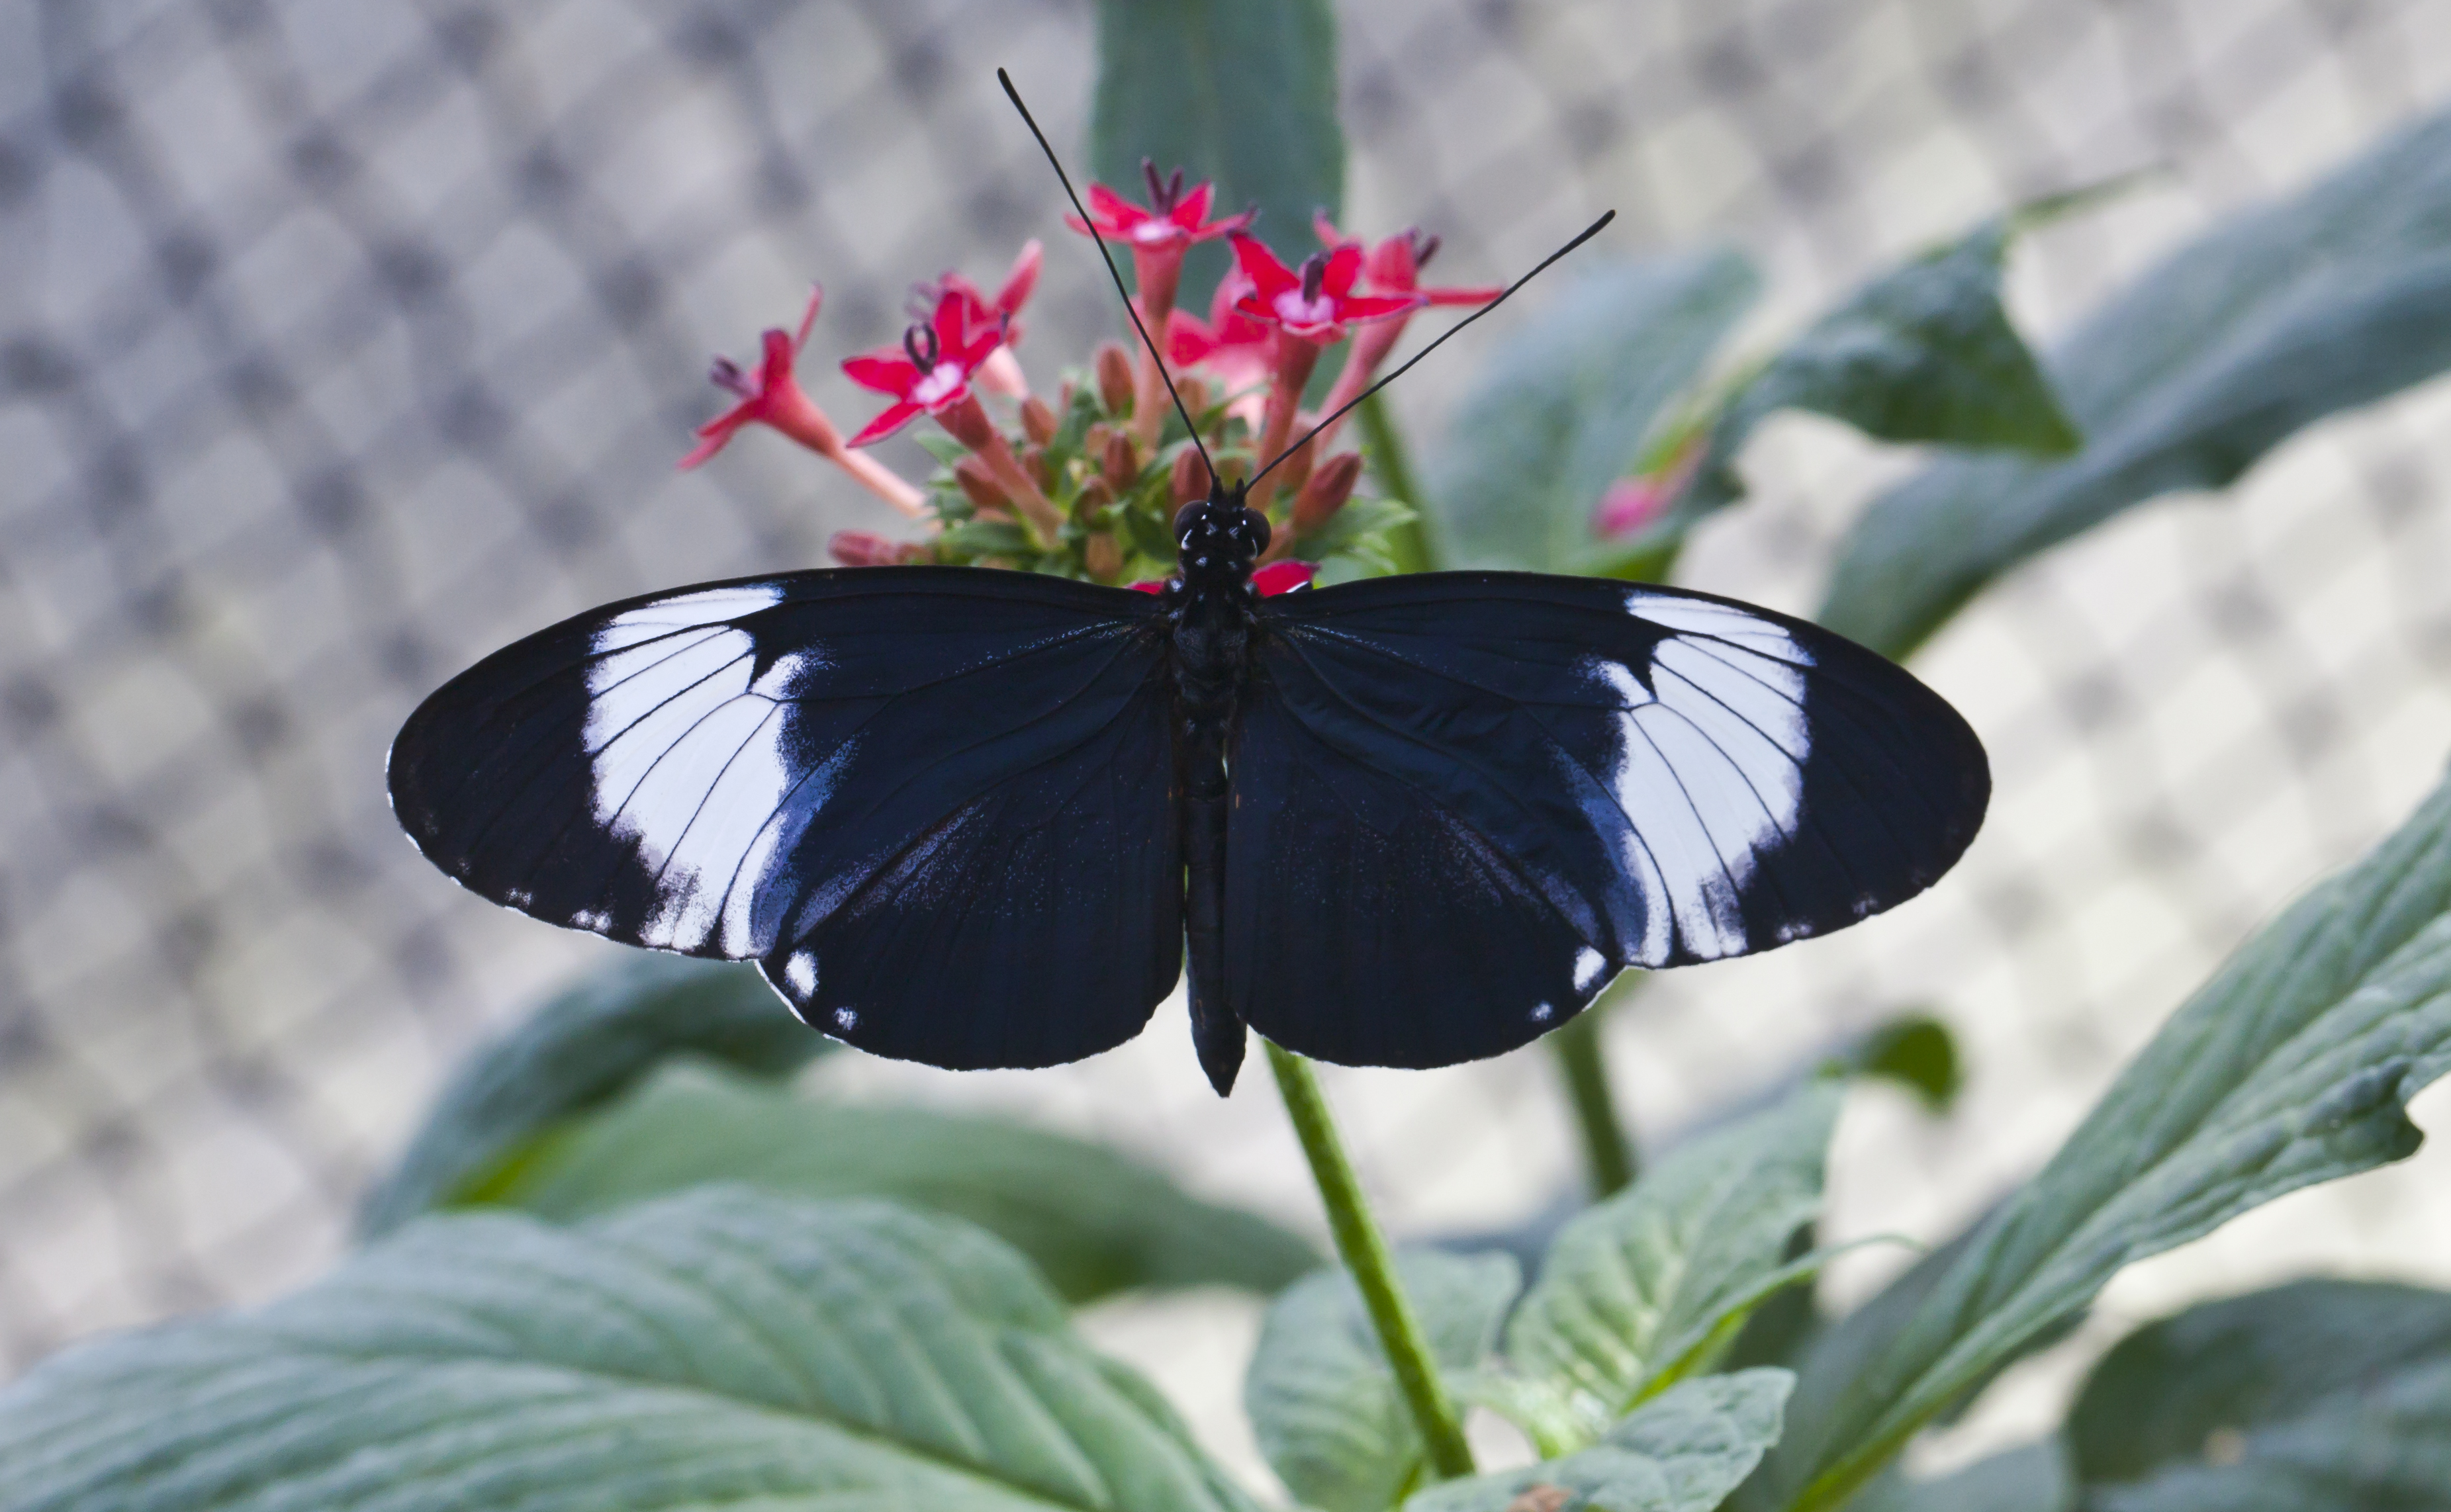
(1384, 446)
(1365, 1253)
(1609, 1157)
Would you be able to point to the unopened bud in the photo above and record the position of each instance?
(868, 548)
(1034, 458)
(978, 480)
(1195, 395)
(1326, 491)
(1121, 462)
(1104, 555)
(1191, 479)
(1037, 420)
(1094, 495)
(1114, 369)
(968, 423)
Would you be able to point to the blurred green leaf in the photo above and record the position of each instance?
(1682, 1451)
(1924, 353)
(2031, 1479)
(1238, 91)
(1916, 1051)
(1094, 1221)
(579, 1050)
(2274, 319)
(2323, 1396)
(1638, 1291)
(721, 1349)
(1563, 407)
(1322, 1402)
(2293, 1065)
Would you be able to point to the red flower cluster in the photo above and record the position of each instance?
(1262, 338)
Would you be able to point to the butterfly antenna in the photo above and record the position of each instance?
(1587, 233)
(1112, 272)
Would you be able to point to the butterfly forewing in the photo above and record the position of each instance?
(936, 804)
(1563, 777)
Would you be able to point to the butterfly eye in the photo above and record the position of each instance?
(1183, 517)
(1261, 532)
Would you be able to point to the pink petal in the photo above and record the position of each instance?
(1326, 231)
(895, 419)
(1269, 277)
(1475, 295)
(1283, 577)
(1377, 307)
(715, 435)
(808, 316)
(1153, 585)
(1116, 215)
(1344, 266)
(1191, 211)
(885, 370)
(1022, 279)
(775, 369)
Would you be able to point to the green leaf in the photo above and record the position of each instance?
(2323, 1396)
(579, 1050)
(1924, 353)
(1682, 1451)
(1358, 541)
(1563, 408)
(2031, 1479)
(2276, 319)
(1241, 92)
(1094, 1221)
(1917, 1052)
(1323, 1404)
(1640, 1290)
(721, 1349)
(2293, 1065)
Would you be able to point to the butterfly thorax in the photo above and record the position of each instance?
(1209, 612)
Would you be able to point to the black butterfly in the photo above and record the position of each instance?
(969, 817)
(975, 818)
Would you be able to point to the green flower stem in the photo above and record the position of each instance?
(1383, 447)
(1609, 1158)
(1365, 1253)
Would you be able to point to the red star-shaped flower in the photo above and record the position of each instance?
(1175, 216)
(931, 372)
(1230, 343)
(1394, 266)
(774, 396)
(978, 311)
(1316, 302)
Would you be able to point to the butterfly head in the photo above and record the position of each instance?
(1218, 539)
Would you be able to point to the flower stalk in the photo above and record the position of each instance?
(1366, 1256)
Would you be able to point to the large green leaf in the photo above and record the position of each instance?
(1323, 1403)
(579, 1050)
(2324, 1396)
(2293, 1065)
(721, 1349)
(1682, 1451)
(2033, 1478)
(1638, 1289)
(1562, 409)
(1924, 353)
(2276, 319)
(1094, 1221)
(1241, 92)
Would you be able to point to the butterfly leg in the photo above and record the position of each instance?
(1216, 1033)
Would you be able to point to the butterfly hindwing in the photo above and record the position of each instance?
(1542, 779)
(934, 803)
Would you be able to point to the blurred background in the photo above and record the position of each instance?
(340, 345)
